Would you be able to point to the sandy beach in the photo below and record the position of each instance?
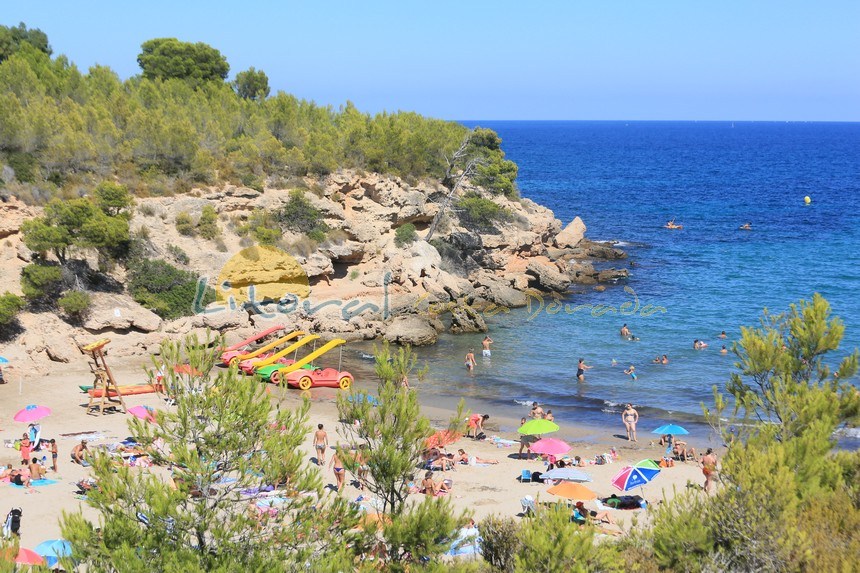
(483, 490)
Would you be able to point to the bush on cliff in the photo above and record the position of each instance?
(167, 291)
(41, 282)
(298, 214)
(481, 213)
(10, 305)
(75, 304)
(405, 235)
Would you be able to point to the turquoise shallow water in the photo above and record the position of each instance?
(626, 180)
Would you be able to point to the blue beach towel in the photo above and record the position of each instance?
(36, 483)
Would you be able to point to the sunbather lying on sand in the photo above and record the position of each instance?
(464, 458)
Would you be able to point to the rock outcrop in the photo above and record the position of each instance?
(118, 313)
(411, 329)
(572, 235)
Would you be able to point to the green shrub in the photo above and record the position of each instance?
(41, 281)
(299, 215)
(480, 212)
(24, 165)
(207, 226)
(10, 305)
(500, 542)
(167, 291)
(142, 233)
(185, 225)
(220, 245)
(75, 303)
(178, 254)
(353, 274)
(317, 235)
(246, 242)
(405, 235)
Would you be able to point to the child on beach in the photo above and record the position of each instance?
(54, 454)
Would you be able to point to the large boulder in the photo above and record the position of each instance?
(116, 312)
(412, 329)
(571, 235)
(548, 276)
(464, 318)
(498, 291)
(221, 320)
(317, 264)
(344, 252)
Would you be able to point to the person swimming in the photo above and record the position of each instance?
(631, 372)
(671, 225)
(746, 227)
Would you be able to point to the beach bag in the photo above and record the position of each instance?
(481, 436)
(13, 523)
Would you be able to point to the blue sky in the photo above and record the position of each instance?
(604, 59)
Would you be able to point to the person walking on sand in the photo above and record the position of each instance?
(486, 344)
(320, 444)
(525, 442)
(630, 416)
(470, 360)
(709, 468)
(339, 470)
(580, 370)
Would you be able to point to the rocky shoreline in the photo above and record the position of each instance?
(362, 284)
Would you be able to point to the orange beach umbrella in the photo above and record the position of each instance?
(442, 438)
(572, 490)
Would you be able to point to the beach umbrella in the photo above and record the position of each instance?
(634, 476)
(53, 549)
(571, 490)
(142, 412)
(673, 429)
(537, 427)
(442, 438)
(32, 413)
(550, 447)
(23, 556)
(566, 474)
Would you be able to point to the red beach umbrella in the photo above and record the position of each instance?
(442, 438)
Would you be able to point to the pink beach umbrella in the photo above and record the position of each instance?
(142, 412)
(23, 556)
(32, 413)
(550, 447)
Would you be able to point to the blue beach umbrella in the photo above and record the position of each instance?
(53, 549)
(673, 429)
(360, 397)
(3, 361)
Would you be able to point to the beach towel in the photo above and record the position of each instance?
(36, 483)
(503, 443)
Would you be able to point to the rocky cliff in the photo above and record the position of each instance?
(362, 284)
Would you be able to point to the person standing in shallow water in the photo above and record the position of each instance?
(486, 344)
(580, 370)
(470, 360)
(630, 417)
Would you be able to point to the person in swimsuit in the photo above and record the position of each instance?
(631, 372)
(664, 360)
(486, 344)
(723, 335)
(476, 424)
(625, 332)
(339, 470)
(54, 454)
(26, 447)
(464, 458)
(320, 444)
(630, 416)
(525, 441)
(723, 350)
(470, 360)
(549, 416)
(537, 411)
(580, 370)
(709, 468)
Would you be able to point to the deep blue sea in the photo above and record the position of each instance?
(626, 180)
